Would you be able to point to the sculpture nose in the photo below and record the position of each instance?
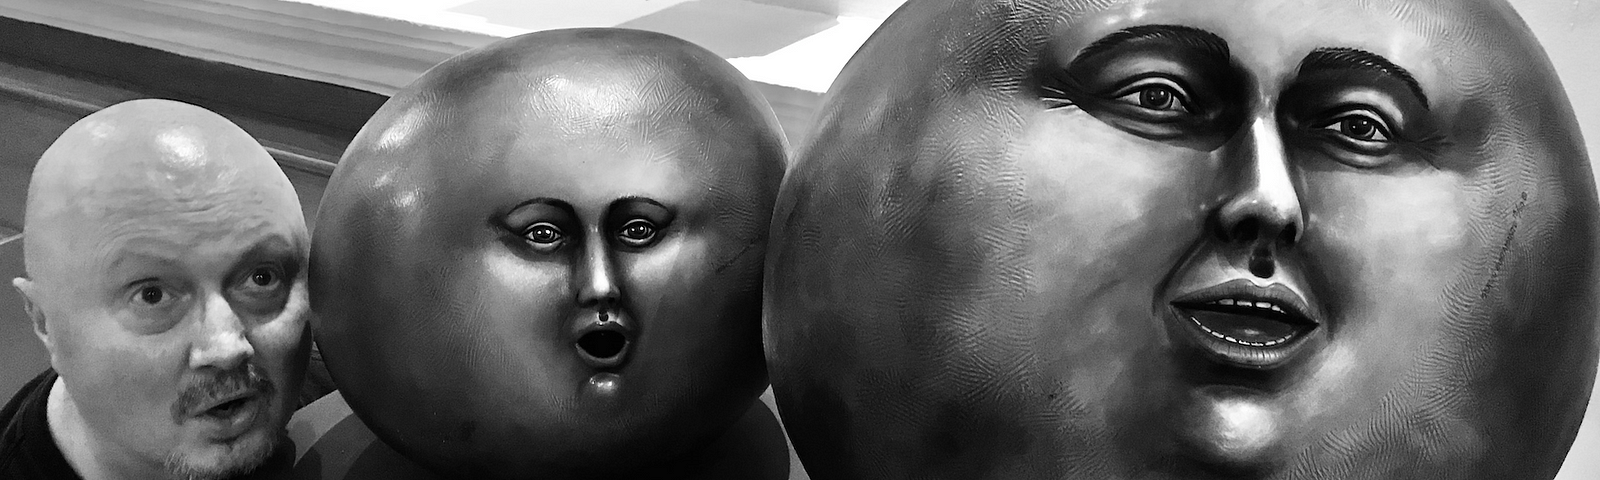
(595, 279)
(1263, 212)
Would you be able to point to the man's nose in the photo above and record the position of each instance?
(222, 342)
(594, 274)
(1262, 213)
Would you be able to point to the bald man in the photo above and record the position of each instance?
(166, 265)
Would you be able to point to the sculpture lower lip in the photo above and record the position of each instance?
(1242, 339)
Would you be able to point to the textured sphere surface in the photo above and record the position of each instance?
(1187, 239)
(544, 257)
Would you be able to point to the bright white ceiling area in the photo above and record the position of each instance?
(799, 44)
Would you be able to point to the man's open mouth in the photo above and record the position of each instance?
(229, 408)
(1247, 325)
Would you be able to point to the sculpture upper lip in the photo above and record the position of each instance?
(1246, 324)
(603, 341)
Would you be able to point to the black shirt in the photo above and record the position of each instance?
(27, 449)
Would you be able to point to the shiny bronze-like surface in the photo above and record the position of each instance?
(544, 257)
(1164, 239)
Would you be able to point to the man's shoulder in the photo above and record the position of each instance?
(27, 450)
(30, 399)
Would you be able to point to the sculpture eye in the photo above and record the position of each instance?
(637, 233)
(1360, 127)
(1156, 93)
(544, 236)
(1361, 131)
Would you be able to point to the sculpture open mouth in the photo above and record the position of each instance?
(1246, 325)
(604, 343)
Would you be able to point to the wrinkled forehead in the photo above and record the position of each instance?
(107, 226)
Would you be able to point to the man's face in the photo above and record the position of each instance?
(177, 320)
(1234, 238)
(561, 273)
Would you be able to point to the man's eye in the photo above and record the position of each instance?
(151, 296)
(1360, 126)
(637, 233)
(1156, 94)
(265, 277)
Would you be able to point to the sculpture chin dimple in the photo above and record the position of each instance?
(1230, 429)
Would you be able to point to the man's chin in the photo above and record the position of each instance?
(222, 460)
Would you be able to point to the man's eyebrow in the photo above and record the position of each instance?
(1209, 44)
(1337, 58)
(129, 257)
(272, 248)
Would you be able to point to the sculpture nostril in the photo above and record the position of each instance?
(1261, 263)
(1289, 235)
(1245, 231)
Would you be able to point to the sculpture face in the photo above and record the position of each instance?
(544, 257)
(166, 257)
(1167, 239)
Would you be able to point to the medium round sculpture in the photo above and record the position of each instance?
(543, 258)
(1169, 239)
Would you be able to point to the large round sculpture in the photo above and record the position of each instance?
(544, 257)
(1188, 239)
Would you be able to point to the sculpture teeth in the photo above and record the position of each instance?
(1264, 305)
(1253, 304)
(1217, 334)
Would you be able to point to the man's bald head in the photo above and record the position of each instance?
(117, 167)
(166, 257)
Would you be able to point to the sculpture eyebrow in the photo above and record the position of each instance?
(634, 198)
(545, 200)
(564, 206)
(1337, 58)
(1209, 44)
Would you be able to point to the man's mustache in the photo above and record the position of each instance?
(206, 391)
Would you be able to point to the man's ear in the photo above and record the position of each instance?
(25, 288)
